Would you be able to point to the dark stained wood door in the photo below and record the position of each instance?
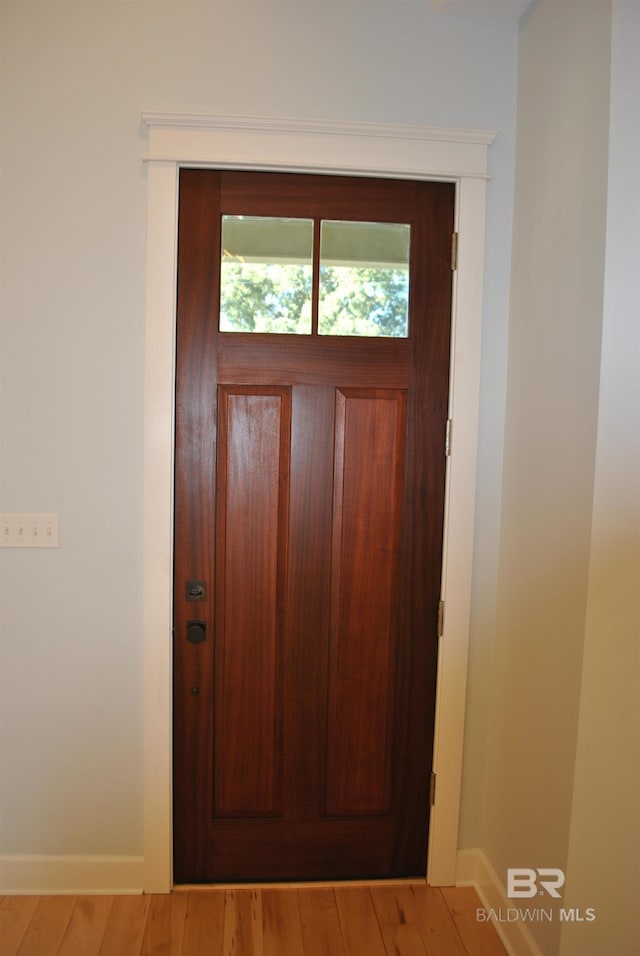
(309, 499)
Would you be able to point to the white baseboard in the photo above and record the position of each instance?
(26, 874)
(474, 869)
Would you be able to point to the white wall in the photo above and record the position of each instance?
(562, 774)
(604, 844)
(75, 78)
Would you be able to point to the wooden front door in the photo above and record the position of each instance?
(309, 499)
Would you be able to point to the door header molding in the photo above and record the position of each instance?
(416, 152)
(341, 148)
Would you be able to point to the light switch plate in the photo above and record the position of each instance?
(29, 531)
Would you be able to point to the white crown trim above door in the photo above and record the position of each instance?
(302, 145)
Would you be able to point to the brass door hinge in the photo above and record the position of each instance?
(440, 618)
(454, 251)
(432, 789)
(448, 435)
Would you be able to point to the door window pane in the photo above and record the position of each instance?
(266, 274)
(364, 279)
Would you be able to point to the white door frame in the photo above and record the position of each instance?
(459, 156)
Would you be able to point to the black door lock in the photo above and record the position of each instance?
(196, 632)
(195, 590)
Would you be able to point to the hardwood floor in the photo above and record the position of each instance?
(379, 919)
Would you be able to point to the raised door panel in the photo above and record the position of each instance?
(369, 468)
(251, 532)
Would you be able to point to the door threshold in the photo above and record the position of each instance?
(302, 884)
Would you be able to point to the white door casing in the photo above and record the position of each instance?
(293, 145)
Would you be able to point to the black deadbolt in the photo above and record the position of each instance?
(195, 590)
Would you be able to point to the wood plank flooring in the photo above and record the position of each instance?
(378, 919)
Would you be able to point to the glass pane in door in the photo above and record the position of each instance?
(266, 275)
(364, 279)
